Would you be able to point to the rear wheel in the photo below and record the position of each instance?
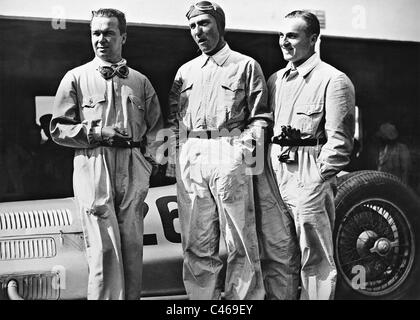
(375, 237)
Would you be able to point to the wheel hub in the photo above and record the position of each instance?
(369, 242)
(365, 242)
(382, 246)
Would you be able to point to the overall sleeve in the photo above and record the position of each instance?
(339, 126)
(154, 120)
(173, 123)
(66, 127)
(174, 94)
(257, 101)
(271, 87)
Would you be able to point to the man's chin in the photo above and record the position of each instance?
(103, 56)
(205, 49)
(287, 57)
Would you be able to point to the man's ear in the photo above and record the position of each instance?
(313, 39)
(124, 38)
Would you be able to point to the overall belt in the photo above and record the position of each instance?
(125, 144)
(211, 134)
(298, 142)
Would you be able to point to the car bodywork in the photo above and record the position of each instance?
(42, 248)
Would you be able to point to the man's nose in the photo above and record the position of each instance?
(283, 41)
(198, 31)
(101, 38)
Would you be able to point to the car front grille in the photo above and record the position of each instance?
(14, 249)
(35, 219)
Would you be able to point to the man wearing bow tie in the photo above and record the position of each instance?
(110, 114)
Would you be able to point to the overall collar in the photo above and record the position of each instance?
(306, 67)
(219, 57)
(100, 63)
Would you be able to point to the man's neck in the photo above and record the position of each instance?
(219, 46)
(302, 61)
(110, 61)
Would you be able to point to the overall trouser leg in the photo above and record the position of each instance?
(243, 273)
(233, 190)
(93, 190)
(206, 182)
(133, 181)
(279, 247)
(200, 231)
(311, 201)
(314, 228)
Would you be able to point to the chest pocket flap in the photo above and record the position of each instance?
(309, 108)
(233, 86)
(186, 87)
(136, 101)
(92, 101)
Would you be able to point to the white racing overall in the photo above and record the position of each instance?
(215, 194)
(319, 101)
(110, 184)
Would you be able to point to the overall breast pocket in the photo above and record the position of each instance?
(184, 98)
(308, 117)
(136, 109)
(233, 93)
(93, 107)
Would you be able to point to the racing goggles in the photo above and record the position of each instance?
(202, 6)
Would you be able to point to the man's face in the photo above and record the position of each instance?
(205, 32)
(107, 41)
(296, 45)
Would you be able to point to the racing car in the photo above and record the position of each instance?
(42, 251)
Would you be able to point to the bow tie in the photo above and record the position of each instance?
(109, 72)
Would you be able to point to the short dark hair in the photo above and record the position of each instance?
(109, 13)
(311, 20)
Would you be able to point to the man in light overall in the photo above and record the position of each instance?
(218, 102)
(110, 114)
(314, 115)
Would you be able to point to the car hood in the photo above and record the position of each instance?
(39, 217)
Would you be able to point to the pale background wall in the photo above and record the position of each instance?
(378, 19)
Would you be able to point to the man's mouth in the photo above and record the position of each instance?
(200, 41)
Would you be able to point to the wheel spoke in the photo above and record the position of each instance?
(353, 261)
(358, 243)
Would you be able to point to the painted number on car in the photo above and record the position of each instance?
(167, 218)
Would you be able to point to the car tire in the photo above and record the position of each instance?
(376, 249)
(344, 177)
